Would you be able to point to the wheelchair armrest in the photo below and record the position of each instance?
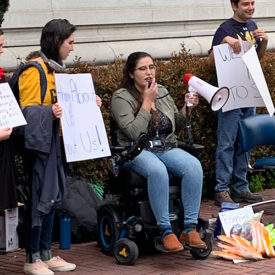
(128, 153)
(194, 149)
(135, 149)
(117, 149)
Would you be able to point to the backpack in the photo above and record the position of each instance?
(13, 82)
(80, 203)
(18, 132)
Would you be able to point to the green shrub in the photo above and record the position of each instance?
(270, 182)
(256, 182)
(4, 5)
(261, 180)
(170, 74)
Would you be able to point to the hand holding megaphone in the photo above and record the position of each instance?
(191, 98)
(191, 91)
(217, 97)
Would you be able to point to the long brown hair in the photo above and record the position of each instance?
(127, 82)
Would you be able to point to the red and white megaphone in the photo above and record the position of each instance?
(217, 97)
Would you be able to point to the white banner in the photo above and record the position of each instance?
(83, 128)
(10, 112)
(233, 73)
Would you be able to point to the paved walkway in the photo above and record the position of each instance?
(90, 260)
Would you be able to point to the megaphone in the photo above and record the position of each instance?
(216, 97)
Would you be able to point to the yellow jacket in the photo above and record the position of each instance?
(29, 86)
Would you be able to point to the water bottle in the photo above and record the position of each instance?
(65, 232)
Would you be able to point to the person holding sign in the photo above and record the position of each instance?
(8, 184)
(230, 159)
(141, 105)
(5, 133)
(44, 156)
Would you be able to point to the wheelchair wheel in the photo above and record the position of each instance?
(126, 251)
(109, 219)
(199, 253)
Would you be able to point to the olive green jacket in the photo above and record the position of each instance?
(132, 122)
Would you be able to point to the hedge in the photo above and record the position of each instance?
(4, 5)
(170, 74)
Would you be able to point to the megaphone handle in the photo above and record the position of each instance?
(191, 90)
(190, 136)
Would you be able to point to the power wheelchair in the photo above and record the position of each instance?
(126, 224)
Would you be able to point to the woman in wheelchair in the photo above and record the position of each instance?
(142, 105)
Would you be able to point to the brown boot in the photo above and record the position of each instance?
(192, 238)
(171, 243)
(222, 196)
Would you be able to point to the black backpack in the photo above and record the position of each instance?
(13, 82)
(18, 132)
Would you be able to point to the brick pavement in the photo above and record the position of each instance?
(90, 260)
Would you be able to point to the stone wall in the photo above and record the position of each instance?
(111, 28)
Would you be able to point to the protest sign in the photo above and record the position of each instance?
(237, 216)
(233, 73)
(83, 128)
(10, 112)
(252, 63)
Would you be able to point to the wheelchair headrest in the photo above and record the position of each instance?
(257, 130)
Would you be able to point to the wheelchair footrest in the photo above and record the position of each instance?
(159, 245)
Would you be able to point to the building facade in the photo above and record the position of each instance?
(110, 28)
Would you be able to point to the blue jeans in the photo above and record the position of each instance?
(230, 158)
(154, 167)
(39, 238)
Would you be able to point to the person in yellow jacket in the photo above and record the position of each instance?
(44, 157)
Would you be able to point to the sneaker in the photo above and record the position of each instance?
(37, 268)
(192, 239)
(246, 196)
(171, 243)
(58, 264)
(222, 196)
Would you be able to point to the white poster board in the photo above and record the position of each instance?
(233, 217)
(10, 112)
(233, 73)
(253, 65)
(83, 128)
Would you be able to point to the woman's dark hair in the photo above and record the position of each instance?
(127, 82)
(1, 32)
(54, 33)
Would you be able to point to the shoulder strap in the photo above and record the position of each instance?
(43, 78)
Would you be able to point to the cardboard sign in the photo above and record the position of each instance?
(237, 216)
(233, 73)
(83, 128)
(10, 112)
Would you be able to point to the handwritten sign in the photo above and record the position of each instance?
(84, 132)
(233, 217)
(10, 112)
(252, 63)
(233, 73)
